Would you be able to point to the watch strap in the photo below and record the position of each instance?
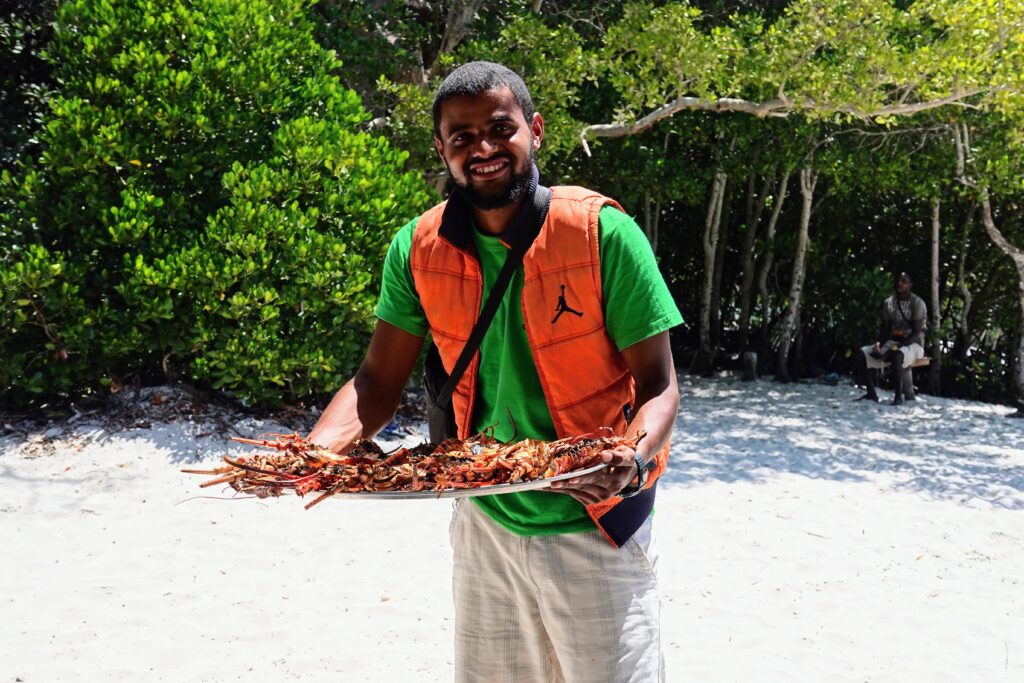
(642, 471)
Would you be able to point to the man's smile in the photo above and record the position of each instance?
(489, 170)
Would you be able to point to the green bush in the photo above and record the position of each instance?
(205, 205)
(26, 80)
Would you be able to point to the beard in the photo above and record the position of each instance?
(515, 189)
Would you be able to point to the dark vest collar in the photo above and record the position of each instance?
(457, 219)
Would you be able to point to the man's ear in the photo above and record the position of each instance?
(537, 128)
(439, 147)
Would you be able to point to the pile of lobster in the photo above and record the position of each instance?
(294, 464)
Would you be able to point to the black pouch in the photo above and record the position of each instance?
(441, 421)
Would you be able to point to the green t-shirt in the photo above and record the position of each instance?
(507, 381)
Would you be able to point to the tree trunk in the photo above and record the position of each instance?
(648, 218)
(963, 336)
(460, 16)
(716, 289)
(652, 215)
(766, 266)
(654, 230)
(749, 240)
(934, 374)
(703, 361)
(980, 299)
(808, 179)
(1017, 255)
(797, 354)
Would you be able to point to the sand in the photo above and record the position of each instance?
(803, 536)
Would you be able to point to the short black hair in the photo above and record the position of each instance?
(474, 78)
(899, 275)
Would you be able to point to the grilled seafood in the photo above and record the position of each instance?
(290, 463)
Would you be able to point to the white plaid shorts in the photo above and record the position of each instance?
(547, 609)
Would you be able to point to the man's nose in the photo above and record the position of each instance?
(485, 146)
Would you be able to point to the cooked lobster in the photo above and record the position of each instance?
(295, 464)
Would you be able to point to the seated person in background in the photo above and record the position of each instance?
(900, 339)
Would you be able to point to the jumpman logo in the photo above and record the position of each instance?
(563, 307)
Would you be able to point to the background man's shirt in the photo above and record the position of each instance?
(900, 314)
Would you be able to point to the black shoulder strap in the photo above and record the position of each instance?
(910, 307)
(532, 220)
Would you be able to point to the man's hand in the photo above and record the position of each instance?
(657, 401)
(601, 485)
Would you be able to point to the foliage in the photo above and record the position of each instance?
(25, 81)
(205, 205)
(825, 64)
(214, 204)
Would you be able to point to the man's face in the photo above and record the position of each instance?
(488, 146)
(903, 284)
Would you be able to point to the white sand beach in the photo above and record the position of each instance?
(803, 536)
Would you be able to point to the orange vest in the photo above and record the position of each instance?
(584, 378)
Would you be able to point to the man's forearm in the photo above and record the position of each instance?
(656, 413)
(358, 411)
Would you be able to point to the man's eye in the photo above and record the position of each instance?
(460, 139)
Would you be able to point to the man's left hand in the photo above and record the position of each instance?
(601, 485)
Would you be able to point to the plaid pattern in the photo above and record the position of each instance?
(546, 609)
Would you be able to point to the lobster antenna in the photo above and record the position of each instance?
(515, 427)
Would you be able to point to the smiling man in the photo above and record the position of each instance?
(497, 173)
(550, 585)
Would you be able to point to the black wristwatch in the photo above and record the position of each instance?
(642, 470)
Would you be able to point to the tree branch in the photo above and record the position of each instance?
(780, 106)
(997, 236)
(456, 28)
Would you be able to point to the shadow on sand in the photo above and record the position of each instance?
(732, 431)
